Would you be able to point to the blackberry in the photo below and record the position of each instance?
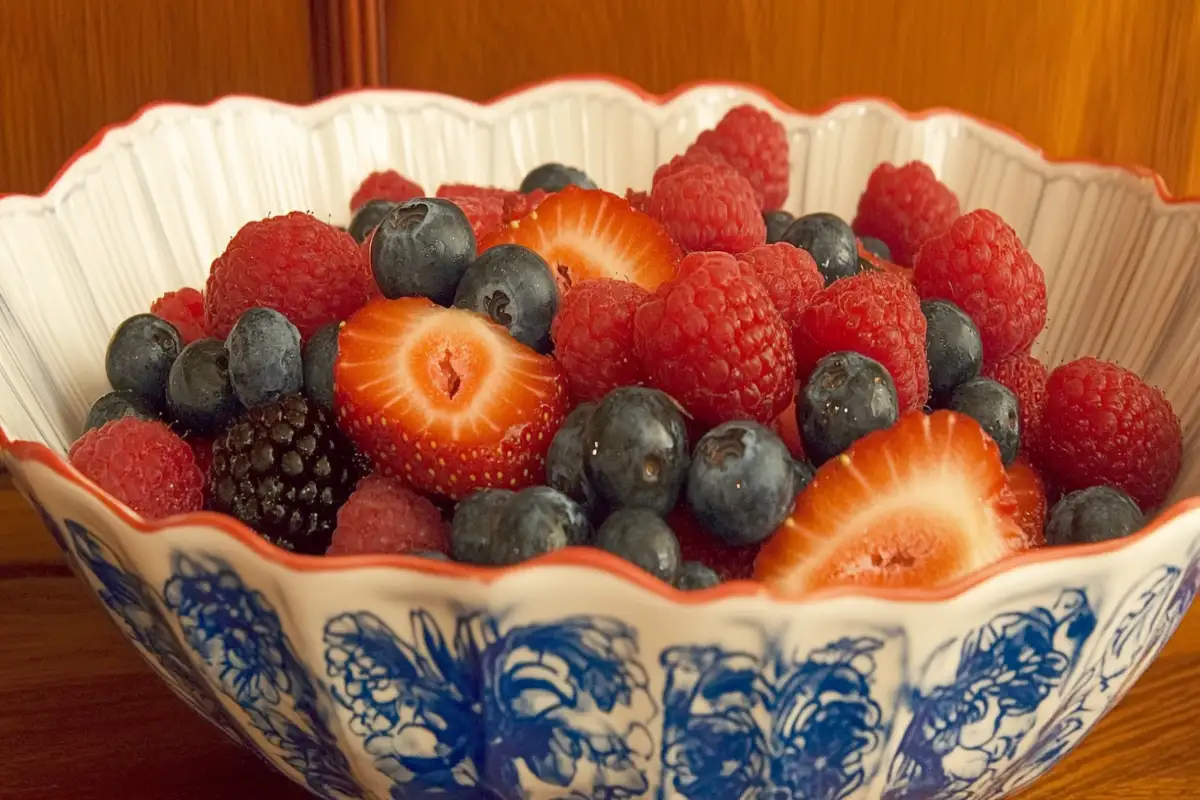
(285, 469)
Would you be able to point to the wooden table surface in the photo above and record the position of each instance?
(82, 718)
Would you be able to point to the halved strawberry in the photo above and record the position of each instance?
(788, 428)
(446, 398)
(882, 264)
(915, 505)
(1030, 493)
(588, 233)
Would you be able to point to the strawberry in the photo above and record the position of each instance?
(788, 428)
(588, 233)
(446, 398)
(915, 505)
(1030, 493)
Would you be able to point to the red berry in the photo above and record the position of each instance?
(904, 206)
(638, 201)
(708, 208)
(1029, 490)
(981, 266)
(445, 398)
(712, 340)
(593, 337)
(307, 270)
(1102, 425)
(789, 275)
(696, 544)
(1025, 377)
(877, 315)
(143, 464)
(382, 515)
(485, 213)
(185, 310)
(692, 157)
(883, 265)
(454, 191)
(387, 185)
(518, 205)
(787, 427)
(755, 144)
(202, 450)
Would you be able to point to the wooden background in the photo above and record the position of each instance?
(81, 717)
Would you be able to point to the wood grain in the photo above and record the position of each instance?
(69, 684)
(1112, 79)
(70, 67)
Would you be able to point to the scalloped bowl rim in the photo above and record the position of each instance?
(77, 166)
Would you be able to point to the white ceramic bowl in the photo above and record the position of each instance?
(576, 675)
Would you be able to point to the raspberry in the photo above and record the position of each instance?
(517, 204)
(1025, 377)
(981, 266)
(185, 310)
(142, 464)
(707, 207)
(711, 339)
(593, 337)
(883, 265)
(787, 428)
(307, 270)
(384, 516)
(454, 191)
(1102, 425)
(755, 144)
(484, 212)
(639, 201)
(388, 185)
(789, 275)
(692, 157)
(903, 207)
(202, 451)
(696, 544)
(877, 315)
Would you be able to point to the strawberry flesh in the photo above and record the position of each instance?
(588, 233)
(1029, 491)
(916, 505)
(445, 398)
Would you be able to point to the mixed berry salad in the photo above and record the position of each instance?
(688, 378)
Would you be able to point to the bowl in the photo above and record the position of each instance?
(576, 675)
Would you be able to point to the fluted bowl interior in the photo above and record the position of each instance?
(575, 676)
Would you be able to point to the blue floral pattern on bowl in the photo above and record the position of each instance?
(477, 708)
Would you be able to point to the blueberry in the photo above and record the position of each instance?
(953, 347)
(995, 408)
(636, 453)
(693, 575)
(432, 555)
(802, 475)
(422, 249)
(831, 243)
(777, 224)
(320, 354)
(555, 177)
(847, 396)
(513, 286)
(199, 394)
(641, 537)
(741, 484)
(535, 521)
(474, 524)
(878, 247)
(564, 459)
(368, 217)
(265, 361)
(1096, 514)
(116, 405)
(140, 355)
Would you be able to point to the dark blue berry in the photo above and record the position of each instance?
(693, 575)
(741, 484)
(877, 247)
(535, 521)
(320, 354)
(802, 474)
(422, 249)
(474, 524)
(831, 243)
(554, 177)
(199, 394)
(995, 408)
(847, 396)
(777, 224)
(432, 555)
(564, 459)
(368, 217)
(265, 357)
(513, 286)
(641, 537)
(1096, 514)
(953, 347)
(116, 405)
(636, 453)
(140, 355)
